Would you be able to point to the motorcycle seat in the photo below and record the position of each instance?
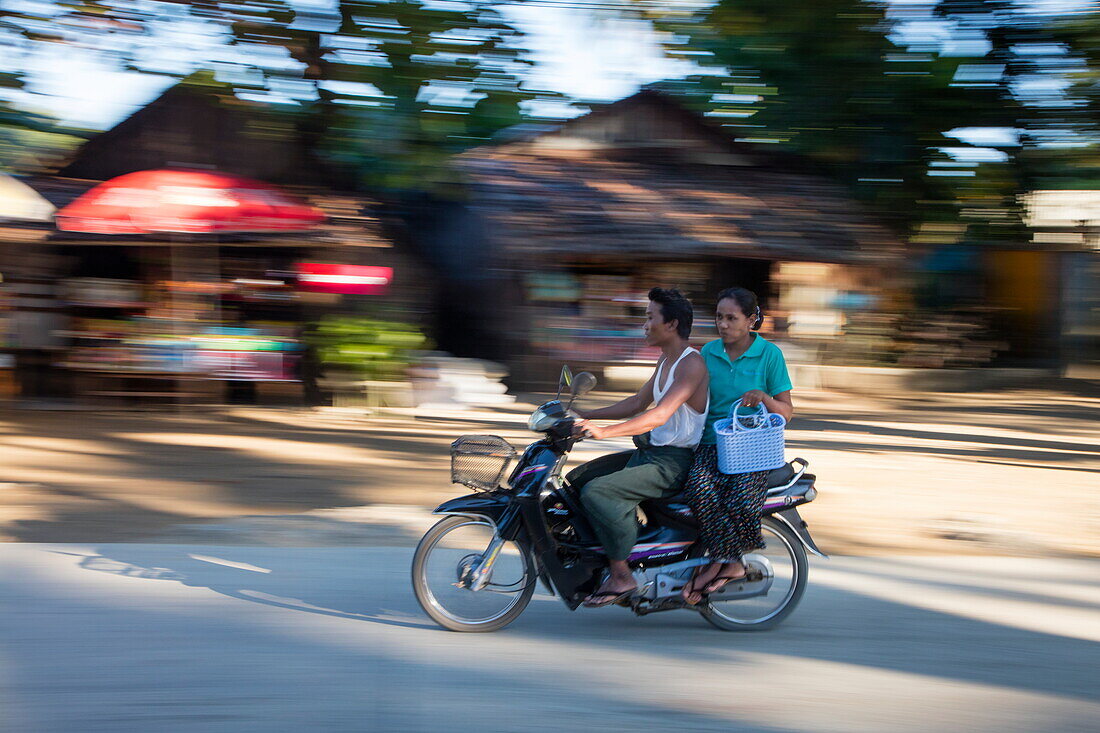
(780, 476)
(677, 505)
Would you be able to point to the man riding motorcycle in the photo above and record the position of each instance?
(666, 418)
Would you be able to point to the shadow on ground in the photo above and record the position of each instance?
(833, 624)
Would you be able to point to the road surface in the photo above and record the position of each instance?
(154, 637)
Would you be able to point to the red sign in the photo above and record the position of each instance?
(318, 277)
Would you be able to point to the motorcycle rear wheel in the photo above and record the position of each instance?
(436, 567)
(782, 543)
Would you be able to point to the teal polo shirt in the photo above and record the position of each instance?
(761, 367)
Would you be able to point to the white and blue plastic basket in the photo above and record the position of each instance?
(752, 442)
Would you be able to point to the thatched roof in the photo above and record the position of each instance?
(639, 179)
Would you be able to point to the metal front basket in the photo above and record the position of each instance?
(479, 461)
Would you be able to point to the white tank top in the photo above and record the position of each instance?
(685, 428)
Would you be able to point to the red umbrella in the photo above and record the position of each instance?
(183, 201)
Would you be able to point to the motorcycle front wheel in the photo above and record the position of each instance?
(790, 567)
(442, 561)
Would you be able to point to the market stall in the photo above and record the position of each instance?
(181, 279)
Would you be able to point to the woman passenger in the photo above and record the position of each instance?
(742, 365)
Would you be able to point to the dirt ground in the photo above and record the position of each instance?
(1013, 472)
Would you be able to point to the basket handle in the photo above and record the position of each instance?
(760, 417)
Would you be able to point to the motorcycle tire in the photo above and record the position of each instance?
(801, 572)
(425, 598)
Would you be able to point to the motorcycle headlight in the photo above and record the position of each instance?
(542, 420)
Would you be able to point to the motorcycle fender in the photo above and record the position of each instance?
(793, 519)
(498, 510)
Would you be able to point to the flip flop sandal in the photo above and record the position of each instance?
(723, 581)
(614, 597)
(694, 589)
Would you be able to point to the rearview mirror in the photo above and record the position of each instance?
(582, 383)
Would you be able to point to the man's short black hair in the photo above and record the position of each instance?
(674, 307)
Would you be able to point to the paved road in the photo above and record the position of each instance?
(165, 638)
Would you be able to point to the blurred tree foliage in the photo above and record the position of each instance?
(391, 89)
(401, 85)
(30, 142)
(1078, 166)
(1030, 61)
(868, 90)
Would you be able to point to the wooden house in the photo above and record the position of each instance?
(581, 220)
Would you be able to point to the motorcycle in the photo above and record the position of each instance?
(477, 568)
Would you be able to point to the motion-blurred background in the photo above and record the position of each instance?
(407, 210)
(308, 202)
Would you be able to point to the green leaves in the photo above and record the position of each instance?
(430, 70)
(369, 348)
(395, 87)
(847, 84)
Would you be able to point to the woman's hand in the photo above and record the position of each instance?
(753, 397)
